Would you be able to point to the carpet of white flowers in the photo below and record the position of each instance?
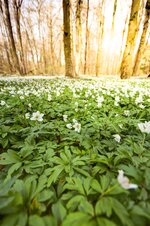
(74, 152)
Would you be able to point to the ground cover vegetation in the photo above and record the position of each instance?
(75, 152)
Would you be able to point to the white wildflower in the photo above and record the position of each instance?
(116, 103)
(144, 127)
(22, 97)
(2, 103)
(126, 112)
(117, 137)
(117, 99)
(49, 97)
(77, 127)
(139, 100)
(141, 106)
(100, 100)
(76, 104)
(65, 117)
(124, 181)
(120, 125)
(69, 126)
(37, 116)
(74, 121)
(27, 115)
(99, 104)
(29, 105)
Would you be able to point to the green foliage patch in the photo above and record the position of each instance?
(74, 152)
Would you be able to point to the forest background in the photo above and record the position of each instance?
(75, 37)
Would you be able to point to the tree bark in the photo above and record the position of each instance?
(17, 13)
(128, 60)
(12, 40)
(100, 38)
(86, 38)
(143, 41)
(69, 70)
(78, 36)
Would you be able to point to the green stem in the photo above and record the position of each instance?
(144, 136)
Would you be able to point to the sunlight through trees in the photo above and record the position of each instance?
(75, 37)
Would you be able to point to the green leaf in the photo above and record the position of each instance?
(74, 202)
(147, 178)
(5, 201)
(9, 158)
(105, 222)
(76, 219)
(86, 207)
(49, 221)
(105, 181)
(35, 220)
(87, 185)
(104, 206)
(137, 210)
(45, 195)
(12, 169)
(41, 183)
(120, 210)
(18, 219)
(10, 220)
(5, 186)
(54, 176)
(96, 186)
(59, 211)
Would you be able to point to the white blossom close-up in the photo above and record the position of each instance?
(49, 97)
(2, 103)
(69, 126)
(65, 118)
(27, 115)
(124, 181)
(117, 137)
(126, 112)
(144, 127)
(77, 127)
(74, 121)
(37, 116)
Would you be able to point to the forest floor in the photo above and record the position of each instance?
(62, 76)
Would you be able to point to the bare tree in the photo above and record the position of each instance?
(69, 69)
(86, 38)
(17, 13)
(11, 36)
(78, 35)
(100, 38)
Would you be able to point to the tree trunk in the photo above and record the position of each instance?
(34, 69)
(50, 21)
(78, 36)
(4, 34)
(69, 70)
(143, 41)
(17, 13)
(100, 38)
(128, 60)
(86, 38)
(11, 37)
